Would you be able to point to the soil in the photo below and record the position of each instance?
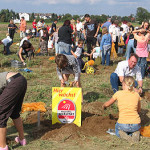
(147, 96)
(93, 124)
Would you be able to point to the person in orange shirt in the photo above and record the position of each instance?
(23, 26)
(129, 105)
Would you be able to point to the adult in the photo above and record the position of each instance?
(144, 28)
(53, 27)
(27, 38)
(125, 29)
(26, 49)
(130, 44)
(34, 24)
(141, 49)
(11, 29)
(23, 26)
(107, 24)
(12, 91)
(115, 32)
(65, 41)
(126, 68)
(7, 42)
(146, 25)
(79, 28)
(91, 26)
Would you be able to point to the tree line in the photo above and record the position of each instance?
(141, 15)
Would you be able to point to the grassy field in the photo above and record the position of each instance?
(96, 88)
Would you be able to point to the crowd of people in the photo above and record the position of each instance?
(69, 42)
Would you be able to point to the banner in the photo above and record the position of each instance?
(66, 105)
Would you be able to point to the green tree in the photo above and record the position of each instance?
(142, 14)
(32, 17)
(75, 17)
(66, 17)
(126, 18)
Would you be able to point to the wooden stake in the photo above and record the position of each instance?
(38, 118)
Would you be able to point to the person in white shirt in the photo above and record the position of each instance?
(79, 28)
(27, 38)
(121, 39)
(7, 42)
(114, 30)
(125, 30)
(125, 27)
(127, 68)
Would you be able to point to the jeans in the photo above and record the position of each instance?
(106, 54)
(7, 47)
(64, 48)
(79, 34)
(120, 50)
(56, 48)
(130, 46)
(142, 62)
(115, 82)
(81, 63)
(128, 128)
(91, 43)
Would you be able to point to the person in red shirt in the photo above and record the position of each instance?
(34, 23)
(48, 28)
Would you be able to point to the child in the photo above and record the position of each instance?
(66, 65)
(96, 52)
(7, 42)
(78, 51)
(43, 46)
(55, 40)
(121, 41)
(105, 46)
(50, 44)
(128, 124)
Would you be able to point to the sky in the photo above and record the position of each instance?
(79, 7)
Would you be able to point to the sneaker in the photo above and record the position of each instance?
(6, 148)
(23, 142)
(136, 136)
(125, 136)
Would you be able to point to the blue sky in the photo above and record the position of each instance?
(80, 7)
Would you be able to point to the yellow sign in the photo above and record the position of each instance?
(66, 105)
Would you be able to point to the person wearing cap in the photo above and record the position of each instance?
(12, 91)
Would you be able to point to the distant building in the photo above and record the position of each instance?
(25, 15)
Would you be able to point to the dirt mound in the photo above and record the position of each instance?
(91, 126)
(93, 108)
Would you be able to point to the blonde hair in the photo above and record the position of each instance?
(130, 82)
(104, 30)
